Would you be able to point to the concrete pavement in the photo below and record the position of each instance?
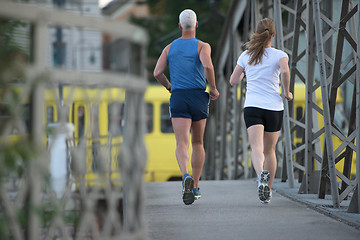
(231, 210)
(324, 206)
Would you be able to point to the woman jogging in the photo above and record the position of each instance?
(263, 107)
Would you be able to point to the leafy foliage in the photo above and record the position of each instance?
(162, 25)
(15, 151)
(12, 57)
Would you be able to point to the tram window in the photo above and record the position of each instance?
(81, 120)
(50, 114)
(299, 113)
(116, 118)
(299, 116)
(166, 126)
(95, 120)
(149, 117)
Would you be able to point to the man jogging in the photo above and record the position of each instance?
(190, 65)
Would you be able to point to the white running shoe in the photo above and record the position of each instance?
(263, 188)
(268, 199)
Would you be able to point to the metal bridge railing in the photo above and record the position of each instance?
(112, 209)
(312, 147)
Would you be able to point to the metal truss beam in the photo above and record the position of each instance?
(225, 153)
(356, 199)
(326, 108)
(309, 21)
(286, 130)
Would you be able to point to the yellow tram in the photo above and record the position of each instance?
(91, 109)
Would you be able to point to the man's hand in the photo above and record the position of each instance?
(214, 94)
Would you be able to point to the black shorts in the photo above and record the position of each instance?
(272, 120)
(189, 103)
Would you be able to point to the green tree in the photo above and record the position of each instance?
(162, 25)
(12, 157)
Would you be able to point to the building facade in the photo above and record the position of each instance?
(70, 48)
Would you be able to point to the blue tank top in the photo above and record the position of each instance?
(186, 70)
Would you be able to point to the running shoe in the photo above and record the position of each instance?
(188, 185)
(197, 193)
(268, 199)
(263, 188)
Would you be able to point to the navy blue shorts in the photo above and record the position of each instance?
(272, 120)
(189, 103)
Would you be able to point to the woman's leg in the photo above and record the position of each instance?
(270, 163)
(256, 138)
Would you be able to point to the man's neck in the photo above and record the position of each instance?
(188, 34)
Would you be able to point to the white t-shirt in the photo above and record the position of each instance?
(263, 89)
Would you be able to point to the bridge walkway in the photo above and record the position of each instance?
(231, 210)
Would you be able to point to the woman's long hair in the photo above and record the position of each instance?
(259, 40)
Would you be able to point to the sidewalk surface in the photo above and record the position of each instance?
(231, 210)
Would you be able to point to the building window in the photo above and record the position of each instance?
(59, 54)
(81, 120)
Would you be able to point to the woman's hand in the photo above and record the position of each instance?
(288, 96)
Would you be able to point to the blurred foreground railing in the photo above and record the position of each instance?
(81, 178)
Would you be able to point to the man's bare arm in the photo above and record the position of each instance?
(160, 68)
(205, 58)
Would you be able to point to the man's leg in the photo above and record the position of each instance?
(198, 151)
(181, 128)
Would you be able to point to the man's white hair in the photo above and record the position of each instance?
(187, 19)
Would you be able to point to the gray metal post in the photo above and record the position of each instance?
(219, 162)
(296, 74)
(37, 133)
(243, 133)
(244, 142)
(308, 97)
(237, 110)
(357, 86)
(325, 100)
(232, 113)
(222, 62)
(287, 135)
